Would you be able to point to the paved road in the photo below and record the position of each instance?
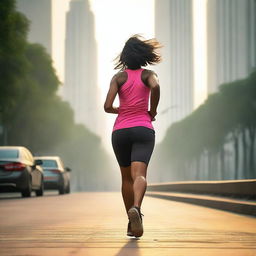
(94, 224)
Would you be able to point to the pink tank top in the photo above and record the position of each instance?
(133, 98)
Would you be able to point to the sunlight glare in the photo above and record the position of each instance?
(200, 51)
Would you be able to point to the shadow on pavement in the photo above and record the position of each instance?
(130, 248)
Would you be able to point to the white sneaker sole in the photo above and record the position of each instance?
(136, 223)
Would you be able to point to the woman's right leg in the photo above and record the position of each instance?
(122, 147)
(127, 192)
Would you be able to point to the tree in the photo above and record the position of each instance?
(13, 62)
(226, 116)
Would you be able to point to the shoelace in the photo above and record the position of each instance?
(141, 215)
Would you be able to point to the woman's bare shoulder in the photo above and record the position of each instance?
(121, 77)
(146, 74)
(149, 72)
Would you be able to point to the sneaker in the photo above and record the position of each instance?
(135, 217)
(129, 230)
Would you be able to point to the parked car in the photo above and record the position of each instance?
(56, 176)
(20, 172)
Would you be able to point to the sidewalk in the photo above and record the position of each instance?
(90, 224)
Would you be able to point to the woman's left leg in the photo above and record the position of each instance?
(127, 187)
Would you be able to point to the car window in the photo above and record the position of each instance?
(49, 163)
(9, 153)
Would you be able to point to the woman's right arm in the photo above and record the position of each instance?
(153, 83)
(113, 89)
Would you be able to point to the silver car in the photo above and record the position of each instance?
(20, 172)
(56, 176)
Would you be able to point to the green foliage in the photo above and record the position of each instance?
(13, 62)
(41, 70)
(208, 128)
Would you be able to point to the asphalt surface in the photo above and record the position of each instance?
(91, 224)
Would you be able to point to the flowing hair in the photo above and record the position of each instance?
(138, 52)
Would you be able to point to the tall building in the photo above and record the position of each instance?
(80, 88)
(231, 40)
(173, 28)
(39, 12)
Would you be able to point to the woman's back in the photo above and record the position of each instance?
(134, 93)
(134, 98)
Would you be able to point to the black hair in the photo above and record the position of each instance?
(137, 53)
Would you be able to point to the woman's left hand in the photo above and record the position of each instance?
(152, 115)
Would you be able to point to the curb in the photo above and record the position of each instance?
(228, 188)
(216, 202)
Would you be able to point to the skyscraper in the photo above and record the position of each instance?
(173, 28)
(40, 15)
(231, 40)
(81, 88)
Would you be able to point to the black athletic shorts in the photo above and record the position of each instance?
(133, 144)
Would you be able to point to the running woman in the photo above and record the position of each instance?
(133, 136)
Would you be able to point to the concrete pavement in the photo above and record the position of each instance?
(91, 224)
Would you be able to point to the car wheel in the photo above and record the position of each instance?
(27, 192)
(68, 188)
(40, 191)
(62, 189)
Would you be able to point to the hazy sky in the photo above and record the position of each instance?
(199, 51)
(59, 9)
(115, 22)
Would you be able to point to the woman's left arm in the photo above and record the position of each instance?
(113, 89)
